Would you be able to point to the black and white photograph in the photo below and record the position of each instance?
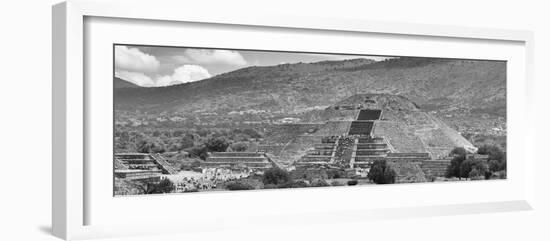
(277, 120)
(192, 119)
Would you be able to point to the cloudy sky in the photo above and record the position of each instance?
(162, 66)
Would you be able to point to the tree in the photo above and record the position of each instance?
(381, 173)
(459, 151)
(151, 146)
(198, 152)
(494, 152)
(473, 168)
(239, 147)
(497, 158)
(186, 142)
(476, 174)
(496, 165)
(217, 144)
(389, 176)
(275, 176)
(453, 170)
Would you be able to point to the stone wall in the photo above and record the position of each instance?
(435, 168)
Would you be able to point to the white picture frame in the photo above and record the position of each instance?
(71, 191)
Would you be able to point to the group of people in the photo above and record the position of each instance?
(345, 143)
(210, 178)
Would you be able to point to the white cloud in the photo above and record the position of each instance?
(182, 74)
(190, 73)
(208, 56)
(132, 59)
(136, 78)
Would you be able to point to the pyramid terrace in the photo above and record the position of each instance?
(141, 166)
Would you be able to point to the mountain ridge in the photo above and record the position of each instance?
(121, 83)
(430, 82)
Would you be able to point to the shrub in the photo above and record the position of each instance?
(198, 152)
(476, 174)
(333, 173)
(294, 184)
(151, 146)
(236, 185)
(473, 168)
(217, 144)
(466, 167)
(458, 151)
(381, 173)
(275, 176)
(320, 183)
(389, 176)
(352, 182)
(270, 186)
(239, 147)
(497, 165)
(164, 186)
(494, 152)
(497, 158)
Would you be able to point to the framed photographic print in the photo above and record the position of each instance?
(207, 118)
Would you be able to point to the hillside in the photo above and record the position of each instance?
(120, 83)
(433, 84)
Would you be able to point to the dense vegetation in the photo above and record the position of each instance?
(464, 166)
(164, 186)
(381, 173)
(276, 176)
(238, 185)
(196, 142)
